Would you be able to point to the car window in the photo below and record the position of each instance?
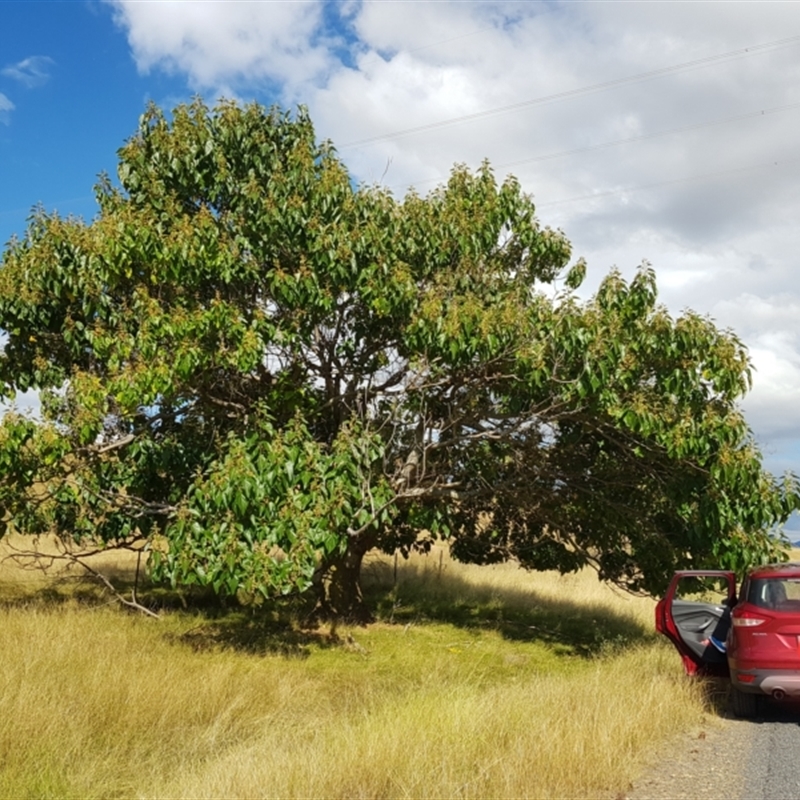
(778, 594)
(705, 589)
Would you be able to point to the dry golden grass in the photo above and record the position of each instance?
(478, 682)
(538, 736)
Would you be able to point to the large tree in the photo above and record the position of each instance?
(264, 371)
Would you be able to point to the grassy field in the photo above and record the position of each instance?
(475, 682)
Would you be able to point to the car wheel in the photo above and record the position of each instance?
(744, 704)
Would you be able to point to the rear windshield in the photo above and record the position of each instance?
(778, 594)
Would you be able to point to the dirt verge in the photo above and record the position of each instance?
(709, 762)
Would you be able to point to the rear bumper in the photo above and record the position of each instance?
(778, 683)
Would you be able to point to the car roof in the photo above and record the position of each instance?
(788, 569)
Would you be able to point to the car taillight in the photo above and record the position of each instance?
(747, 620)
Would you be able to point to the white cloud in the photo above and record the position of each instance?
(723, 245)
(6, 107)
(771, 407)
(30, 72)
(220, 45)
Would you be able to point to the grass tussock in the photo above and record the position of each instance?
(475, 682)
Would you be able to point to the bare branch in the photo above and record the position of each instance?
(35, 559)
(114, 445)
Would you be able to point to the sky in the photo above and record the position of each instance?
(658, 131)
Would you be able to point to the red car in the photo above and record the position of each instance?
(754, 639)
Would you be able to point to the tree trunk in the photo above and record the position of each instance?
(339, 596)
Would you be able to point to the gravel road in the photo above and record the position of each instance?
(773, 769)
(737, 760)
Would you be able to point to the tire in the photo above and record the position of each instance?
(745, 705)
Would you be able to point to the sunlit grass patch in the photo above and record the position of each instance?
(534, 735)
(474, 682)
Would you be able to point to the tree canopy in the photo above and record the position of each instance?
(264, 370)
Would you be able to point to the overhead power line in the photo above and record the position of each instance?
(657, 184)
(616, 142)
(597, 87)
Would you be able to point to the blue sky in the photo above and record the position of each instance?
(68, 121)
(637, 126)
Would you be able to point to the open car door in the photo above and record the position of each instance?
(695, 615)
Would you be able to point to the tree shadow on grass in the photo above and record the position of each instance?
(273, 632)
(569, 626)
(273, 629)
(414, 594)
(418, 595)
(216, 623)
